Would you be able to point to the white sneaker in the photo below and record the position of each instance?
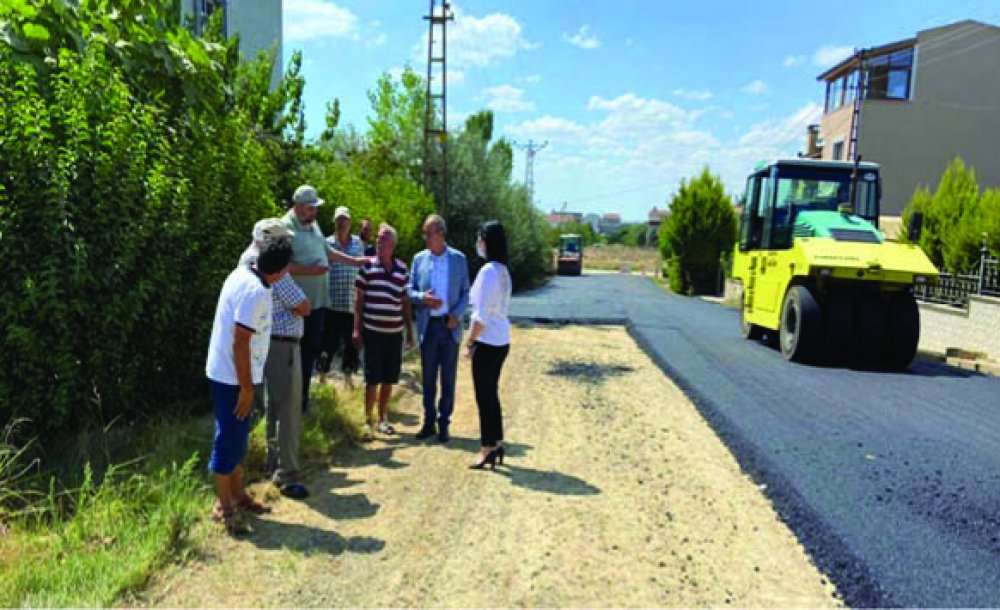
(385, 427)
(367, 434)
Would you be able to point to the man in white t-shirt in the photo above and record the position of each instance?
(237, 352)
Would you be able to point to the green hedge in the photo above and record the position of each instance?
(121, 212)
(134, 161)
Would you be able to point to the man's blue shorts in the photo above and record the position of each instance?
(230, 444)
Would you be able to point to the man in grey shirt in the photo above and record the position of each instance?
(311, 257)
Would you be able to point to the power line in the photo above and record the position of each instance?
(530, 150)
(646, 187)
(435, 136)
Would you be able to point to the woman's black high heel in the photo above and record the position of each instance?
(500, 451)
(491, 459)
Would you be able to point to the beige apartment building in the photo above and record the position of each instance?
(926, 100)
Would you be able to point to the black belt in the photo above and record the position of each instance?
(284, 339)
(439, 318)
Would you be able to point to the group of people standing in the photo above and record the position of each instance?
(297, 298)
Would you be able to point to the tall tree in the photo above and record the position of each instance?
(396, 125)
(701, 226)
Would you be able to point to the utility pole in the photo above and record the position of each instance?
(530, 150)
(435, 126)
(859, 94)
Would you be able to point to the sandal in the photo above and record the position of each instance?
(253, 506)
(230, 518)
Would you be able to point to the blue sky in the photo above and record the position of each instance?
(632, 96)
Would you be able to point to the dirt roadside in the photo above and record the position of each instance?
(615, 493)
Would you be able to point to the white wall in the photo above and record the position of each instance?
(975, 330)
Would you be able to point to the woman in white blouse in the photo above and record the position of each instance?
(489, 339)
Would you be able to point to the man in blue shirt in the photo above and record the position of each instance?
(439, 292)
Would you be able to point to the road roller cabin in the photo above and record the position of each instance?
(817, 274)
(570, 260)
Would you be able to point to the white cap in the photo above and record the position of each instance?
(269, 230)
(342, 211)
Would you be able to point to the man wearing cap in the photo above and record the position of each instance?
(283, 367)
(340, 321)
(311, 258)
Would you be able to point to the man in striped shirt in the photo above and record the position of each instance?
(382, 314)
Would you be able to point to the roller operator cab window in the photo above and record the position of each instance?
(774, 201)
(803, 189)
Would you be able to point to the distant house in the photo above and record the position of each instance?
(655, 218)
(924, 101)
(555, 218)
(610, 223)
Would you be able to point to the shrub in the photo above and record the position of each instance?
(701, 226)
(955, 218)
(121, 212)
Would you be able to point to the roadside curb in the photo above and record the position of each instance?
(984, 367)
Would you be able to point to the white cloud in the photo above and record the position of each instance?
(757, 87)
(828, 55)
(306, 20)
(693, 94)
(377, 41)
(505, 98)
(548, 127)
(631, 142)
(477, 42)
(779, 134)
(583, 38)
(532, 79)
(794, 61)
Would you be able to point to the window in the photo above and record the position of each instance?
(746, 218)
(754, 213)
(889, 76)
(850, 87)
(766, 210)
(838, 151)
(834, 94)
(780, 235)
(203, 9)
(807, 189)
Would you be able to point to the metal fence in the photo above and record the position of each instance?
(955, 289)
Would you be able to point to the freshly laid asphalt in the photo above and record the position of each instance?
(891, 481)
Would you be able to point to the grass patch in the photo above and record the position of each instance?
(89, 536)
(616, 257)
